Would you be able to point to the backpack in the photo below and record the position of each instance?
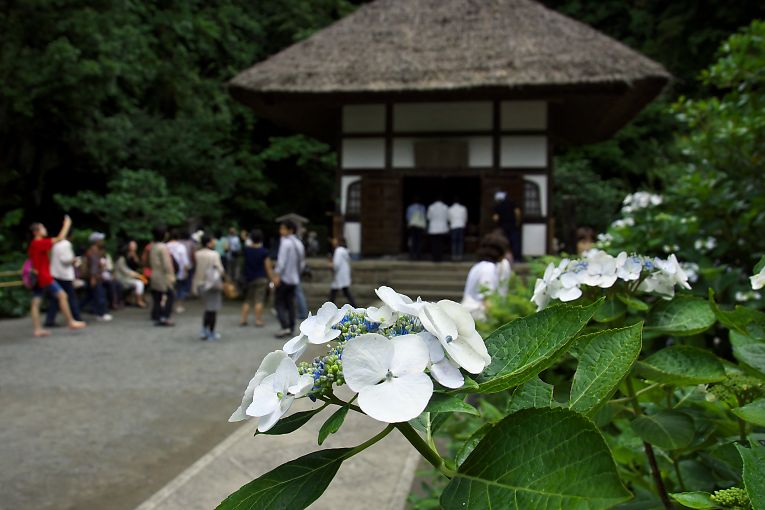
(213, 280)
(28, 275)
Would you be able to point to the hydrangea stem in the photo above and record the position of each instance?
(366, 444)
(425, 450)
(649, 451)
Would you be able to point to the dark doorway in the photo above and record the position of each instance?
(429, 189)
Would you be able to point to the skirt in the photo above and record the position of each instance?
(212, 300)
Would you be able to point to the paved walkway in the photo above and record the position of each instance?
(106, 417)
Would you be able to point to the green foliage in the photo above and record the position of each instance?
(95, 89)
(605, 358)
(332, 424)
(524, 461)
(526, 346)
(292, 422)
(754, 472)
(128, 210)
(712, 209)
(296, 484)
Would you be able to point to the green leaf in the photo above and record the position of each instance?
(682, 365)
(292, 422)
(633, 303)
(604, 359)
(754, 473)
(758, 267)
(752, 354)
(737, 319)
(333, 423)
(610, 310)
(293, 485)
(753, 412)
(680, 317)
(526, 346)
(670, 430)
(440, 403)
(534, 393)
(699, 500)
(472, 442)
(527, 460)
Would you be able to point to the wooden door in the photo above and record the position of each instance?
(382, 214)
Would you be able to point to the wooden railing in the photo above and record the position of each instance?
(8, 282)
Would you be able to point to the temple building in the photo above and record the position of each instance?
(450, 98)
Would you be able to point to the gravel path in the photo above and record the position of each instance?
(103, 418)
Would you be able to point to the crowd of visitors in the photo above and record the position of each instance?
(172, 267)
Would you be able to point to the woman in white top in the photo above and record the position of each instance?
(341, 271)
(484, 277)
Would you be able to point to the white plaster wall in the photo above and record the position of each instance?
(364, 118)
(541, 181)
(534, 239)
(523, 115)
(352, 233)
(346, 181)
(445, 116)
(479, 151)
(363, 153)
(523, 152)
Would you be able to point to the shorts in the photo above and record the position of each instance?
(256, 291)
(52, 290)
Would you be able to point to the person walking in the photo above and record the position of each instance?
(416, 221)
(208, 285)
(341, 271)
(94, 266)
(438, 228)
(458, 216)
(62, 264)
(44, 283)
(126, 273)
(180, 255)
(258, 271)
(233, 253)
(290, 262)
(162, 279)
(507, 215)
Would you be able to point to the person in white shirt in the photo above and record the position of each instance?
(341, 271)
(438, 228)
(458, 216)
(486, 276)
(62, 262)
(181, 256)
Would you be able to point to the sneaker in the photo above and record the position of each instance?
(213, 336)
(204, 333)
(283, 333)
(104, 318)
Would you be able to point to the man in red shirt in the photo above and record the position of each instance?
(39, 250)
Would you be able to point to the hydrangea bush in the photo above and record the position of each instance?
(628, 427)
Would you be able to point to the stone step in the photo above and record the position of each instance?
(428, 285)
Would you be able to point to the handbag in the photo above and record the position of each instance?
(230, 290)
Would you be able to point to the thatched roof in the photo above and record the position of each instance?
(450, 46)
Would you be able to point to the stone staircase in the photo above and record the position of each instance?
(428, 280)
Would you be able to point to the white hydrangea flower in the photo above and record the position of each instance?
(272, 398)
(442, 369)
(663, 280)
(758, 280)
(267, 367)
(317, 329)
(628, 268)
(389, 375)
(454, 327)
(394, 304)
(546, 288)
(600, 270)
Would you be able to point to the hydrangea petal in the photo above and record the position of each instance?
(264, 399)
(437, 322)
(398, 400)
(461, 317)
(296, 347)
(302, 387)
(366, 360)
(268, 366)
(410, 355)
(435, 349)
(447, 373)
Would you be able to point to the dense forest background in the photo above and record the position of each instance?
(114, 109)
